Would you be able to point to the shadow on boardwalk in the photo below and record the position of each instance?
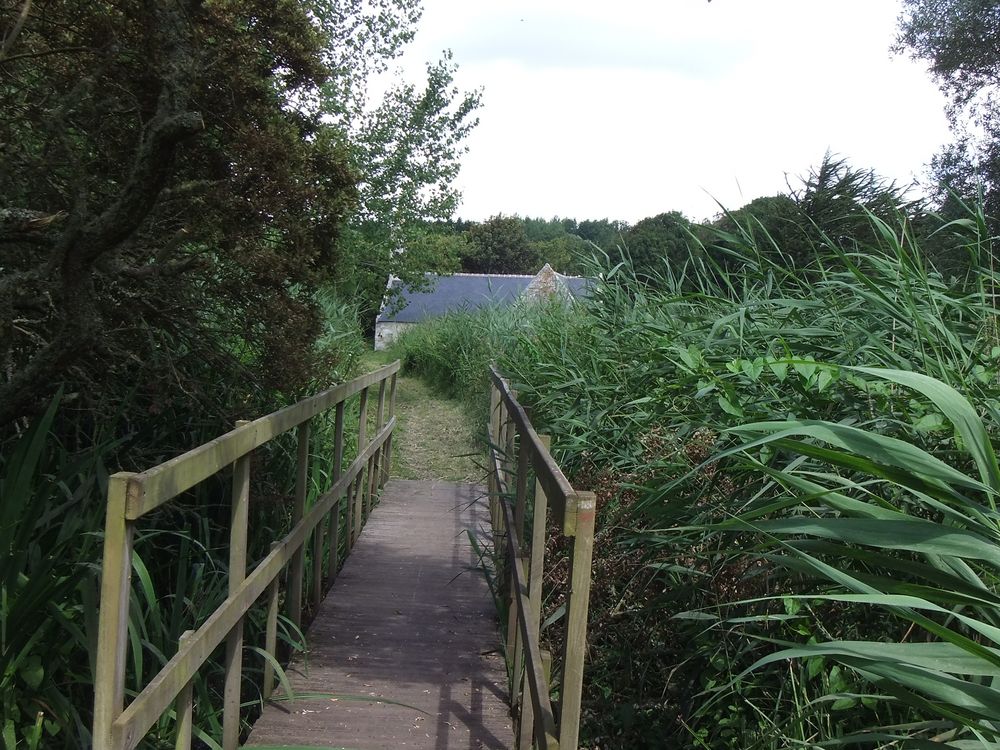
(404, 651)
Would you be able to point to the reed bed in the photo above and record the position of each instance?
(798, 541)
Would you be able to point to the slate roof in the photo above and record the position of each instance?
(466, 291)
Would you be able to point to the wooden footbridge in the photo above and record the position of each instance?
(405, 650)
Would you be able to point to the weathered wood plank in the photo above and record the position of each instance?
(577, 607)
(116, 577)
(239, 520)
(409, 620)
(562, 498)
(169, 479)
(132, 724)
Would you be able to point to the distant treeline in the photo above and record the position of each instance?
(831, 207)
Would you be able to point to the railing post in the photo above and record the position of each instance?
(338, 469)
(294, 599)
(271, 634)
(239, 518)
(520, 508)
(387, 449)
(317, 564)
(535, 575)
(521, 493)
(359, 485)
(546, 656)
(112, 640)
(577, 602)
(184, 707)
(374, 470)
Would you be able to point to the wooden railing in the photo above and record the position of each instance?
(517, 451)
(131, 496)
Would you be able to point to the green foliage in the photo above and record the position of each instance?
(49, 505)
(159, 226)
(500, 245)
(777, 222)
(406, 151)
(792, 550)
(655, 243)
(957, 39)
(169, 260)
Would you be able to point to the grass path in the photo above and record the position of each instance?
(435, 438)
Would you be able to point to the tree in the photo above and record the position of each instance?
(500, 245)
(778, 227)
(960, 39)
(838, 198)
(169, 201)
(656, 242)
(406, 149)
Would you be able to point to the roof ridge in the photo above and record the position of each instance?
(483, 275)
(501, 275)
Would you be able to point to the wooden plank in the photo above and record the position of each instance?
(147, 707)
(577, 604)
(271, 635)
(550, 476)
(293, 599)
(184, 708)
(338, 467)
(545, 727)
(410, 619)
(536, 570)
(521, 492)
(375, 468)
(116, 586)
(169, 479)
(239, 517)
(359, 489)
(387, 451)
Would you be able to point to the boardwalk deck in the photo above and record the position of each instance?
(410, 620)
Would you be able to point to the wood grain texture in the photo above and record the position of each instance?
(411, 621)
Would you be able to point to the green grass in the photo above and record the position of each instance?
(798, 535)
(436, 437)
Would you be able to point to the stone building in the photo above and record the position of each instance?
(467, 291)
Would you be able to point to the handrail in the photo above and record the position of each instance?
(132, 495)
(515, 450)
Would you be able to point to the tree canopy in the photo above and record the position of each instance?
(178, 180)
(960, 40)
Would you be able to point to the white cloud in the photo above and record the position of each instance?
(634, 108)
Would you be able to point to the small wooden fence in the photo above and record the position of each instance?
(131, 496)
(517, 450)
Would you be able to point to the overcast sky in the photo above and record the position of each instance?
(630, 108)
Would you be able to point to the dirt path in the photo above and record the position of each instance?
(435, 439)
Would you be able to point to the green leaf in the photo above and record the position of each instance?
(824, 379)
(925, 537)
(780, 370)
(32, 672)
(815, 666)
(879, 448)
(957, 409)
(932, 422)
(729, 407)
(806, 368)
(842, 704)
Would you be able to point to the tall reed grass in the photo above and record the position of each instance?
(797, 481)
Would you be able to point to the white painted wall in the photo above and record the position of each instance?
(386, 333)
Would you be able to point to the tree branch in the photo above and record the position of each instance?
(43, 53)
(153, 165)
(11, 37)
